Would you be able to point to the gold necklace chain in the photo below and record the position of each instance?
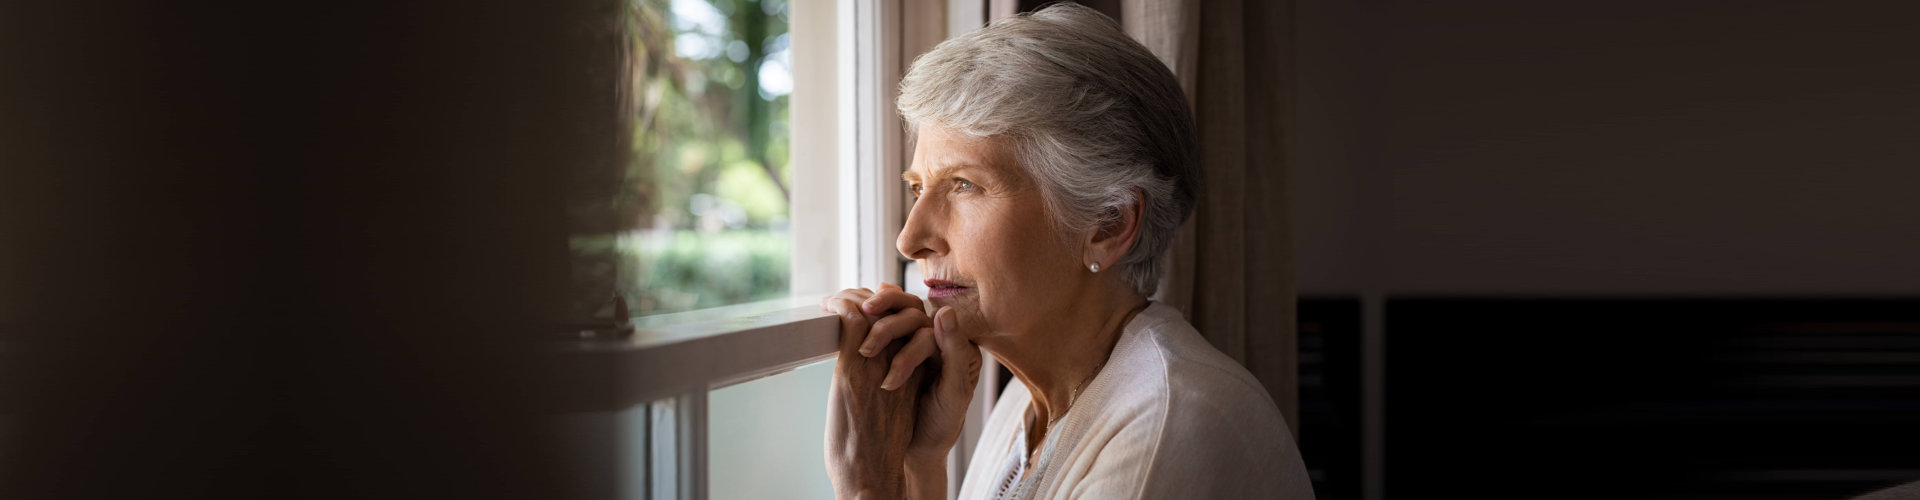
(1074, 395)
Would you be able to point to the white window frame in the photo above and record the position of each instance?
(646, 396)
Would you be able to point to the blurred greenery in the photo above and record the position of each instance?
(694, 270)
(708, 174)
(705, 119)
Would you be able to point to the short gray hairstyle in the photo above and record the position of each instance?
(1089, 112)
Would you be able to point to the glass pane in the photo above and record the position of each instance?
(765, 437)
(697, 217)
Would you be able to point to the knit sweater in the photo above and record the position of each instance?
(1169, 416)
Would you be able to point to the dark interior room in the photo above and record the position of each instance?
(1490, 249)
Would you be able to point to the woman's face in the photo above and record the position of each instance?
(980, 232)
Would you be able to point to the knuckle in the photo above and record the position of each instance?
(893, 322)
(879, 337)
(852, 321)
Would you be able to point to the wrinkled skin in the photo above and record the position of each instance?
(887, 416)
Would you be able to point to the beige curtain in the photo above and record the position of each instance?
(1232, 267)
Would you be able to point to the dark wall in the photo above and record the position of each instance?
(270, 250)
(1568, 217)
(1544, 147)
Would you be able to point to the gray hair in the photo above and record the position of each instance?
(1089, 112)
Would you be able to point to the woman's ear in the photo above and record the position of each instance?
(1113, 239)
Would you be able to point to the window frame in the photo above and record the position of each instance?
(650, 392)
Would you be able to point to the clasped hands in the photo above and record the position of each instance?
(899, 396)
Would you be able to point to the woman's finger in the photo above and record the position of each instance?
(853, 323)
(893, 327)
(891, 298)
(857, 294)
(959, 358)
(909, 357)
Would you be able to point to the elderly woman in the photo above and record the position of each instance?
(1054, 159)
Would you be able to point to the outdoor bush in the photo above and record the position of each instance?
(685, 270)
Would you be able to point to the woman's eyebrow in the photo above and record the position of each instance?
(943, 171)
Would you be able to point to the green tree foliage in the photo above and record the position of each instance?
(709, 171)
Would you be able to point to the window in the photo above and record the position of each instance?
(766, 436)
(706, 188)
(734, 228)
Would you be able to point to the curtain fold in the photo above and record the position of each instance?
(1231, 268)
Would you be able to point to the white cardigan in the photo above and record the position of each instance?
(1168, 417)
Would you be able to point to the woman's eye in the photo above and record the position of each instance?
(915, 189)
(962, 185)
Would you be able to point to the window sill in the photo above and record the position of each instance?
(674, 354)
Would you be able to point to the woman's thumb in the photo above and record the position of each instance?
(944, 324)
(960, 359)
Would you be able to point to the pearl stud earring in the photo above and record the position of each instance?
(1095, 267)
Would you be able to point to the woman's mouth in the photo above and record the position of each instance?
(941, 289)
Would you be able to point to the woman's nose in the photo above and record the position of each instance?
(920, 238)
